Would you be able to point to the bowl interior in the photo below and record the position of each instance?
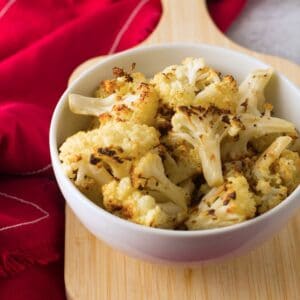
(284, 95)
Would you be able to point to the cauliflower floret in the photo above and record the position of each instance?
(204, 129)
(123, 200)
(253, 127)
(149, 174)
(113, 160)
(272, 176)
(268, 191)
(251, 91)
(270, 194)
(269, 185)
(130, 99)
(140, 108)
(288, 168)
(181, 160)
(243, 166)
(121, 143)
(261, 169)
(124, 83)
(225, 205)
(105, 151)
(75, 157)
(133, 140)
(179, 170)
(223, 94)
(178, 84)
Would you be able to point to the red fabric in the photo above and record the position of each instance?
(41, 42)
(224, 12)
(36, 283)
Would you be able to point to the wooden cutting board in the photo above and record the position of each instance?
(93, 270)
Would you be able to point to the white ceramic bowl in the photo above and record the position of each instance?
(167, 245)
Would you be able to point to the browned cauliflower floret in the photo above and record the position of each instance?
(149, 175)
(128, 97)
(288, 168)
(124, 83)
(228, 204)
(272, 176)
(269, 186)
(134, 140)
(243, 166)
(253, 127)
(204, 129)
(122, 143)
(251, 91)
(93, 157)
(223, 94)
(125, 201)
(178, 84)
(75, 155)
(181, 160)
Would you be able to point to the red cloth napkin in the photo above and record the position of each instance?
(224, 12)
(41, 42)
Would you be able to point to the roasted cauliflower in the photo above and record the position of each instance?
(149, 174)
(269, 184)
(187, 149)
(178, 84)
(104, 152)
(222, 94)
(252, 97)
(204, 129)
(181, 160)
(125, 201)
(128, 97)
(230, 203)
(251, 128)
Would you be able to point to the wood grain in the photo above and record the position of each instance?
(95, 271)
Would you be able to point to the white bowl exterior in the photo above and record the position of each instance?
(165, 245)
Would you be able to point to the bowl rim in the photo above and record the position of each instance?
(138, 227)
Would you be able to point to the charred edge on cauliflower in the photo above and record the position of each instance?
(111, 153)
(108, 86)
(94, 160)
(163, 118)
(119, 72)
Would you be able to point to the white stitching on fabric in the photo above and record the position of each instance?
(126, 25)
(6, 7)
(45, 216)
(46, 168)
